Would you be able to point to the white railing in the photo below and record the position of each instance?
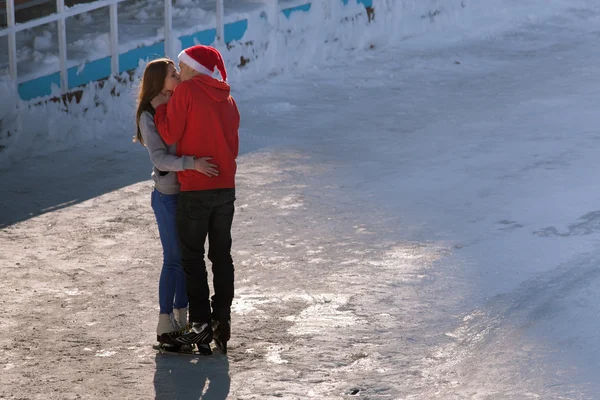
(63, 13)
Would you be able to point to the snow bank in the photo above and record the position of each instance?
(329, 32)
(26, 130)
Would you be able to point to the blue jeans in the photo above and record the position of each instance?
(171, 286)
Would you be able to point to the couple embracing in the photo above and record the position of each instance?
(189, 123)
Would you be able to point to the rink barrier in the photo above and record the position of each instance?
(103, 68)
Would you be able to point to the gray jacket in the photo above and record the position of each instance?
(166, 163)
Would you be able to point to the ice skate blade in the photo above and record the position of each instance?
(200, 350)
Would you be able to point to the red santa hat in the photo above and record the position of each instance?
(203, 59)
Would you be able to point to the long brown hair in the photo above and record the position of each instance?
(151, 85)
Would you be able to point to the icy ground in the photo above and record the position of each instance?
(420, 222)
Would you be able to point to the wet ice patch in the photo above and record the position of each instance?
(105, 353)
(360, 229)
(286, 203)
(246, 304)
(102, 242)
(409, 260)
(315, 251)
(6, 323)
(276, 262)
(323, 316)
(508, 225)
(586, 225)
(274, 355)
(362, 362)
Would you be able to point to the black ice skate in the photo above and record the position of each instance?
(195, 333)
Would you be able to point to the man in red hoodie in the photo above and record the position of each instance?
(203, 119)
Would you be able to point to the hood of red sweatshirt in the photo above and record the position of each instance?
(216, 89)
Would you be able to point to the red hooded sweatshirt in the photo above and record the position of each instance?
(203, 119)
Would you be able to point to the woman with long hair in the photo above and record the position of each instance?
(161, 76)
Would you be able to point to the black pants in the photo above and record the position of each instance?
(201, 214)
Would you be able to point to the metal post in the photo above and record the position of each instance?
(114, 39)
(12, 40)
(62, 45)
(220, 23)
(169, 29)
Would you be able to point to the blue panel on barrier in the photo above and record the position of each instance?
(206, 37)
(131, 59)
(366, 3)
(288, 11)
(38, 87)
(235, 30)
(99, 69)
(92, 71)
